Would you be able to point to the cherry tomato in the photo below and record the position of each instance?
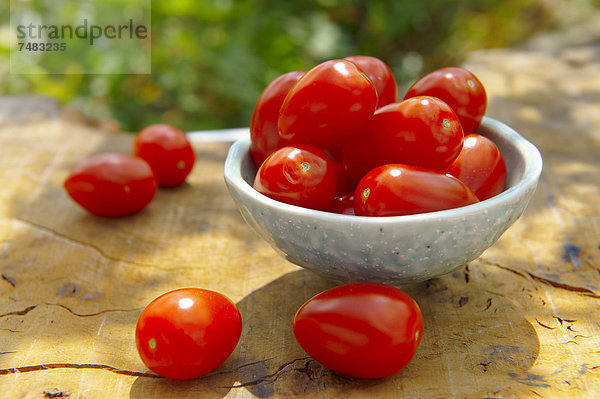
(301, 175)
(264, 134)
(364, 330)
(480, 166)
(395, 190)
(380, 74)
(187, 332)
(460, 89)
(343, 205)
(421, 131)
(167, 151)
(112, 185)
(328, 105)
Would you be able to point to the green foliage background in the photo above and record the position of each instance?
(212, 58)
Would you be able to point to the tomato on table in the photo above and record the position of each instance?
(187, 332)
(264, 133)
(301, 175)
(380, 74)
(112, 184)
(460, 89)
(364, 330)
(396, 190)
(421, 131)
(480, 166)
(327, 106)
(167, 151)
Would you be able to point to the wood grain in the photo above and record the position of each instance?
(520, 321)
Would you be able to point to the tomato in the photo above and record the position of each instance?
(264, 134)
(421, 131)
(344, 205)
(167, 151)
(480, 166)
(327, 106)
(301, 175)
(395, 190)
(380, 74)
(187, 332)
(364, 330)
(458, 87)
(112, 185)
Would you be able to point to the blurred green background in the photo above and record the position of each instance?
(212, 58)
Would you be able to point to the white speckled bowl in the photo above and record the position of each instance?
(396, 249)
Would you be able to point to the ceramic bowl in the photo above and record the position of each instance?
(396, 249)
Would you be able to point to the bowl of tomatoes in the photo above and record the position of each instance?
(396, 192)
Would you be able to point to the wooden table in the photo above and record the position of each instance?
(520, 321)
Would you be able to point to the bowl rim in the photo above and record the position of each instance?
(531, 173)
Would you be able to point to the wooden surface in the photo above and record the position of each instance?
(520, 321)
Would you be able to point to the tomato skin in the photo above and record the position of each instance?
(264, 133)
(481, 166)
(421, 131)
(327, 106)
(300, 175)
(187, 332)
(344, 205)
(364, 330)
(167, 151)
(460, 89)
(112, 185)
(396, 190)
(380, 74)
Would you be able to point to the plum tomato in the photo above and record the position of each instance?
(187, 332)
(380, 74)
(167, 151)
(264, 134)
(421, 131)
(460, 89)
(480, 166)
(363, 330)
(300, 175)
(327, 106)
(112, 184)
(395, 190)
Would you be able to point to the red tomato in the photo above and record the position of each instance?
(380, 74)
(112, 185)
(187, 333)
(480, 166)
(363, 330)
(460, 89)
(264, 134)
(300, 175)
(395, 189)
(328, 105)
(167, 151)
(343, 205)
(421, 131)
